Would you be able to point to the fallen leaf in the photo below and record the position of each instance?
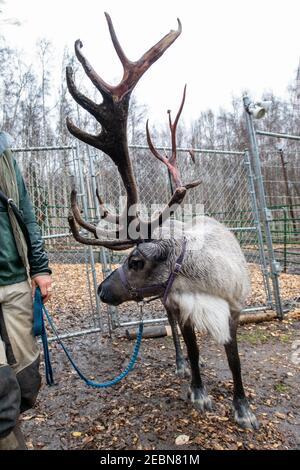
(182, 440)
(88, 439)
(280, 415)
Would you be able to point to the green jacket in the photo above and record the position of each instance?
(12, 270)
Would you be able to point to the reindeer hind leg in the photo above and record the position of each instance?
(242, 412)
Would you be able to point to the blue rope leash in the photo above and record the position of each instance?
(39, 330)
(39, 310)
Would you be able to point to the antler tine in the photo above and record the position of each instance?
(171, 164)
(172, 167)
(156, 51)
(76, 213)
(160, 157)
(90, 227)
(106, 215)
(79, 97)
(192, 155)
(100, 84)
(173, 127)
(125, 62)
(76, 216)
(82, 135)
(117, 245)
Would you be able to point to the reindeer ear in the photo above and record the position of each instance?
(154, 251)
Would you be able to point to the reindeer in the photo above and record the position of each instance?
(197, 269)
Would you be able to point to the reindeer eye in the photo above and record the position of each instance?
(136, 264)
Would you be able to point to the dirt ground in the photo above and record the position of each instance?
(149, 408)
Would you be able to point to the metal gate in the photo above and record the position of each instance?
(50, 173)
(232, 191)
(227, 193)
(277, 159)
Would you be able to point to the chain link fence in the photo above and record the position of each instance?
(280, 164)
(227, 192)
(50, 174)
(281, 173)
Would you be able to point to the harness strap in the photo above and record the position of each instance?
(175, 271)
(8, 202)
(138, 293)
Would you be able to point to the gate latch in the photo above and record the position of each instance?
(269, 216)
(276, 267)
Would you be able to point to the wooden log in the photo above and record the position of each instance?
(257, 317)
(157, 331)
(153, 331)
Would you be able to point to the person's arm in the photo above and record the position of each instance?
(38, 259)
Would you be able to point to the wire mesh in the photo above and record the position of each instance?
(49, 175)
(280, 164)
(223, 194)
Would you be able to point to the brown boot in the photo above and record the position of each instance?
(14, 441)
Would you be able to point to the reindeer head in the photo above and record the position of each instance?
(142, 274)
(148, 262)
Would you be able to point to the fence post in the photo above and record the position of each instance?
(285, 218)
(89, 249)
(265, 213)
(257, 223)
(103, 255)
(287, 188)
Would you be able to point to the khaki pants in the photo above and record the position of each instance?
(19, 355)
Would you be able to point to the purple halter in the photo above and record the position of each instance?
(153, 289)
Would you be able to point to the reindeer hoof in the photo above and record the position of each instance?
(183, 370)
(200, 399)
(245, 418)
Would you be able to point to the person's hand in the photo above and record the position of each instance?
(44, 283)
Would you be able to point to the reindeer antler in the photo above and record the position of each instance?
(112, 115)
(171, 163)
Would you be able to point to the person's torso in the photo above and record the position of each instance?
(11, 267)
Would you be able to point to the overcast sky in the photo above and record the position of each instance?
(226, 46)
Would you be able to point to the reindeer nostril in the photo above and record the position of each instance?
(101, 294)
(103, 297)
(104, 294)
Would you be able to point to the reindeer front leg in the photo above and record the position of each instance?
(182, 369)
(242, 413)
(197, 392)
